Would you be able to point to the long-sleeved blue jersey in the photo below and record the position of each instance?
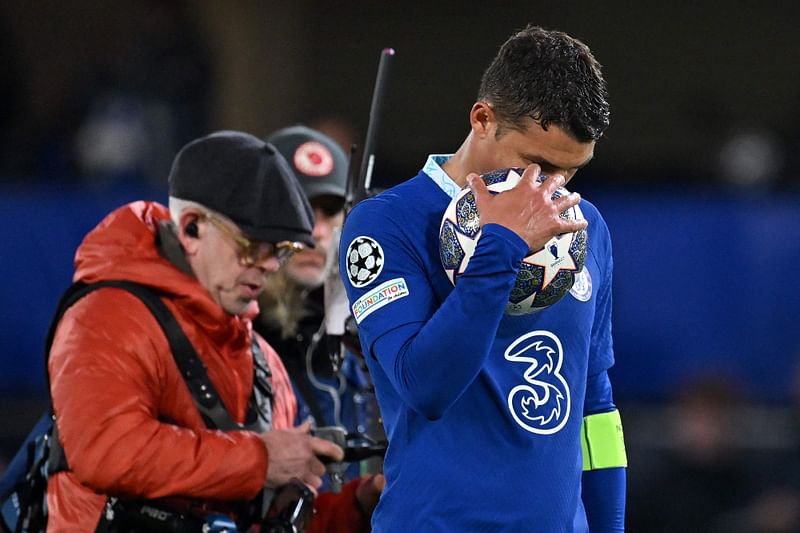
(484, 411)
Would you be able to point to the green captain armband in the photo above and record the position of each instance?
(602, 442)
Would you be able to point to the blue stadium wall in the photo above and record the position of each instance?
(704, 283)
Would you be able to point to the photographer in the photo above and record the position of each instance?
(126, 420)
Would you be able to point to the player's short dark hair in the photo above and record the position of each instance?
(551, 78)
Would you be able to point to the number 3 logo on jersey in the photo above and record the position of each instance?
(542, 404)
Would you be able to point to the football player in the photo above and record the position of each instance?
(495, 422)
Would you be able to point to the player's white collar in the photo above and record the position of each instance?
(433, 168)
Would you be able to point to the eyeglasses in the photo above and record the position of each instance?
(250, 252)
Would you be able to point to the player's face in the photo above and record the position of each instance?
(553, 150)
(307, 268)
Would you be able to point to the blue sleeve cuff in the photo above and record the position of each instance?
(518, 244)
(599, 398)
(604, 499)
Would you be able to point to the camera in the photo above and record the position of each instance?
(291, 509)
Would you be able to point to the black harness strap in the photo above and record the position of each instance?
(192, 368)
(194, 372)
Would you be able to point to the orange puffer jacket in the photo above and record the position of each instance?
(126, 419)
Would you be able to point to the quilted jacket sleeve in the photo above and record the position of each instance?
(110, 382)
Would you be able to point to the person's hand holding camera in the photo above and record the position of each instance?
(294, 453)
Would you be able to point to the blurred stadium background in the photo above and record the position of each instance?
(697, 177)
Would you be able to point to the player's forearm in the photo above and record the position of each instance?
(604, 457)
(604, 499)
(437, 360)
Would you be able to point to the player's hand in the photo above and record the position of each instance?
(293, 453)
(369, 492)
(528, 209)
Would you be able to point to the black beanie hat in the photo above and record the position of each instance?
(247, 180)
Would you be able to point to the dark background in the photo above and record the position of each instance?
(697, 178)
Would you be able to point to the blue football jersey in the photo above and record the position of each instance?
(483, 410)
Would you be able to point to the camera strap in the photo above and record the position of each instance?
(194, 372)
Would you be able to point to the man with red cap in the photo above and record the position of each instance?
(332, 386)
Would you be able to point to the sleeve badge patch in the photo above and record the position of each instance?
(382, 295)
(364, 261)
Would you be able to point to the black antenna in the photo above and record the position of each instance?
(358, 186)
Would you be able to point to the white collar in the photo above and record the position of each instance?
(433, 168)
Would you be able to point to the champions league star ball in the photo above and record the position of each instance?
(545, 275)
(364, 261)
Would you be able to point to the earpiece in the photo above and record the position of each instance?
(191, 229)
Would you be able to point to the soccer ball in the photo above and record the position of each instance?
(545, 275)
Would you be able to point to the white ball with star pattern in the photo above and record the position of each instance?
(364, 261)
(545, 276)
